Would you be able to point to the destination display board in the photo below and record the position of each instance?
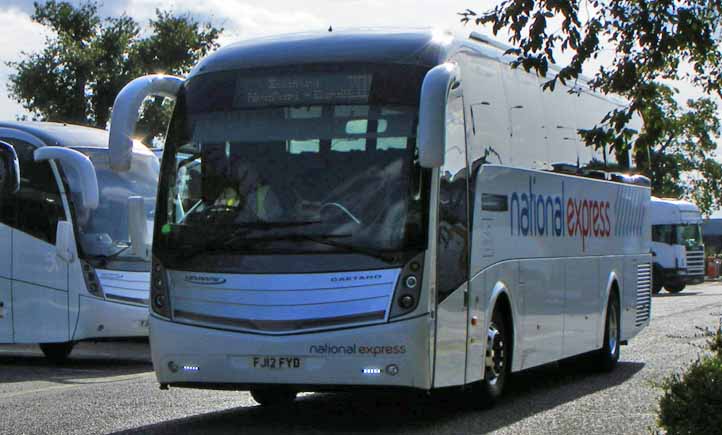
(302, 89)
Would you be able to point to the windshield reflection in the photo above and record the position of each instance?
(103, 232)
(345, 170)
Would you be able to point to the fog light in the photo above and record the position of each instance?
(392, 369)
(159, 301)
(173, 367)
(406, 301)
(159, 284)
(411, 281)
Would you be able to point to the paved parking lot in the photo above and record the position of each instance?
(110, 388)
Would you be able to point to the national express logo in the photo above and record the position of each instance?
(536, 214)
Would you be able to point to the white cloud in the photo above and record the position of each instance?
(18, 33)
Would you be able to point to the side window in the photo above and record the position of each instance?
(453, 243)
(38, 205)
(662, 233)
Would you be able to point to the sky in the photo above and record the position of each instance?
(240, 19)
(243, 19)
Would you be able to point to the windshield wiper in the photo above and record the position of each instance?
(222, 242)
(328, 240)
(105, 259)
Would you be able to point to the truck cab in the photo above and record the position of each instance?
(676, 245)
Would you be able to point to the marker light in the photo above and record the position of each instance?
(371, 371)
(191, 368)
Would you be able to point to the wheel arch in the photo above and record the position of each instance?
(613, 286)
(500, 294)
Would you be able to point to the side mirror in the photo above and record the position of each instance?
(79, 169)
(125, 114)
(432, 113)
(9, 170)
(65, 242)
(138, 227)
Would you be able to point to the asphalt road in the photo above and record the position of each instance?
(110, 388)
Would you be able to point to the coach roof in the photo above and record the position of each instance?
(404, 46)
(68, 135)
(63, 135)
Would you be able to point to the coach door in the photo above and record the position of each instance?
(452, 259)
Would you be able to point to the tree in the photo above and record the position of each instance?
(87, 61)
(652, 44)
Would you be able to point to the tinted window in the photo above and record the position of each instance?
(453, 244)
(663, 233)
(37, 207)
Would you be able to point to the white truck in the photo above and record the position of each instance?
(676, 245)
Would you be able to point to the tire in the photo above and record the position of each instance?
(497, 361)
(656, 281)
(675, 288)
(273, 396)
(57, 352)
(608, 356)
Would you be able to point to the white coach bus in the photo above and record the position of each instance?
(74, 237)
(382, 209)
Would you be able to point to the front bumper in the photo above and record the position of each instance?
(680, 276)
(99, 318)
(191, 356)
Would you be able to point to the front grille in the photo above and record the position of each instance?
(695, 262)
(644, 295)
(282, 303)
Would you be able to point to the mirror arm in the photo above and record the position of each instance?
(437, 85)
(12, 169)
(78, 162)
(124, 117)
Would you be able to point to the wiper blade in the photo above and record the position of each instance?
(105, 259)
(224, 241)
(328, 240)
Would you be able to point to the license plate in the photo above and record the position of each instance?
(276, 362)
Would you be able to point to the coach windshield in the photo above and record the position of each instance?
(316, 159)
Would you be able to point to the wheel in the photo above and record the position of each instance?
(273, 396)
(57, 352)
(608, 356)
(497, 360)
(675, 288)
(656, 280)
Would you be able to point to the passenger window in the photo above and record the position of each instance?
(453, 237)
(38, 205)
(304, 146)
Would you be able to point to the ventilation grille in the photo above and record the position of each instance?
(644, 295)
(695, 263)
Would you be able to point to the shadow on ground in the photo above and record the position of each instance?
(450, 411)
(25, 363)
(667, 294)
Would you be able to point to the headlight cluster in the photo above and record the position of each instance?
(92, 283)
(408, 287)
(159, 299)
